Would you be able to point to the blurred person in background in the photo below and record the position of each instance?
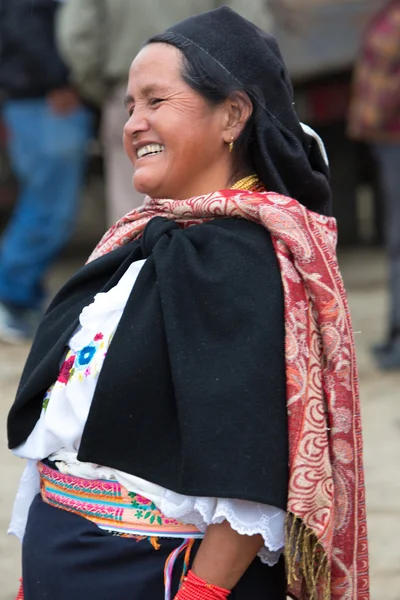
(47, 134)
(98, 39)
(374, 117)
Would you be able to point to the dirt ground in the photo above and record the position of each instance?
(364, 274)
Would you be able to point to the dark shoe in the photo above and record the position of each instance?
(17, 325)
(387, 355)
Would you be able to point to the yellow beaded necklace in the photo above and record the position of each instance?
(251, 183)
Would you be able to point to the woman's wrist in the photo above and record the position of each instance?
(195, 588)
(224, 555)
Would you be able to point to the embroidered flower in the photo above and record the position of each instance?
(142, 500)
(46, 399)
(142, 503)
(87, 372)
(66, 369)
(85, 355)
(170, 521)
(98, 337)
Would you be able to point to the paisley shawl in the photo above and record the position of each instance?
(326, 534)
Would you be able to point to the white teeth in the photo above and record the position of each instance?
(150, 149)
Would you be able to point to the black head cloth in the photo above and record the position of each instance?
(288, 160)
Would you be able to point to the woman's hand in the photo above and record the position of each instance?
(224, 555)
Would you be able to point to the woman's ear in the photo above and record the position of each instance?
(239, 109)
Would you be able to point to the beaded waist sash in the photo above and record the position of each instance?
(110, 506)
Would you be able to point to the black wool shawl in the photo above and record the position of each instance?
(192, 393)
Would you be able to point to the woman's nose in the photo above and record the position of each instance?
(136, 123)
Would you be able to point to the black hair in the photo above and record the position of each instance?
(206, 77)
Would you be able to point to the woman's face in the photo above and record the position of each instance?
(176, 141)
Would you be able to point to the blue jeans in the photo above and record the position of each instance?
(48, 155)
(388, 157)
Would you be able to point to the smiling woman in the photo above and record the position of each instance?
(177, 140)
(193, 438)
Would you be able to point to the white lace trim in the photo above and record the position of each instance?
(247, 518)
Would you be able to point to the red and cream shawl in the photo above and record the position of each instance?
(326, 536)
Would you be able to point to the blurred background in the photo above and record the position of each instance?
(344, 60)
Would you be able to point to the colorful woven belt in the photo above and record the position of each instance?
(110, 506)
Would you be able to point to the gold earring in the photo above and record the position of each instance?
(231, 145)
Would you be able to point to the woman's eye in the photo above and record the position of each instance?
(155, 101)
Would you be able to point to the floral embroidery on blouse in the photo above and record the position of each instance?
(46, 398)
(66, 368)
(87, 362)
(86, 355)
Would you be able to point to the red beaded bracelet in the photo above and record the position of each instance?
(194, 588)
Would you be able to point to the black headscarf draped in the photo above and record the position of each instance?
(287, 160)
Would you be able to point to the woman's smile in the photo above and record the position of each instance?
(149, 150)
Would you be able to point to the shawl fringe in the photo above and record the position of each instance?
(306, 559)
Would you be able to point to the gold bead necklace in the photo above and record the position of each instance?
(251, 183)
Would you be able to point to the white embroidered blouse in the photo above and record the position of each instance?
(58, 432)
